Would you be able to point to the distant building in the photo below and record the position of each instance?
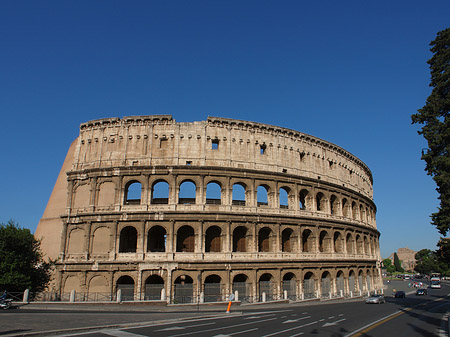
(406, 257)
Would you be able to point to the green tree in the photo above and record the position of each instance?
(21, 263)
(398, 264)
(434, 117)
(426, 262)
(387, 263)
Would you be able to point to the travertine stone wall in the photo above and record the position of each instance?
(313, 234)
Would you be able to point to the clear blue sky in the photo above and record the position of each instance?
(350, 72)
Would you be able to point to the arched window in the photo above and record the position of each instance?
(338, 243)
(213, 288)
(354, 211)
(345, 207)
(350, 244)
(239, 194)
(340, 285)
(156, 241)
(326, 284)
(239, 239)
(133, 191)
(359, 244)
(286, 240)
(351, 282)
(212, 239)
(309, 287)
(333, 205)
(266, 285)
(264, 240)
(183, 289)
(366, 246)
(213, 194)
(284, 197)
(262, 192)
(187, 193)
(324, 242)
(289, 285)
(362, 213)
(320, 202)
(243, 287)
(303, 195)
(185, 239)
(128, 240)
(307, 241)
(160, 193)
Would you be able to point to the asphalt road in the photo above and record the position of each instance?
(412, 316)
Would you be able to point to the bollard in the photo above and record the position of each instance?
(72, 296)
(202, 297)
(119, 295)
(230, 299)
(341, 293)
(236, 295)
(26, 295)
(285, 294)
(330, 295)
(302, 296)
(163, 294)
(263, 297)
(351, 293)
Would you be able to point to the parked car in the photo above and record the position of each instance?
(421, 292)
(400, 294)
(377, 299)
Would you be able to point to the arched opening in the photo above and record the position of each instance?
(309, 287)
(239, 239)
(264, 244)
(284, 197)
(185, 239)
(156, 240)
(350, 244)
(368, 281)
(324, 242)
(333, 205)
(187, 193)
(262, 195)
(160, 193)
(303, 195)
(362, 213)
(307, 241)
(359, 244)
(366, 246)
(154, 285)
(213, 288)
(238, 194)
(340, 285)
(338, 243)
(133, 191)
(213, 193)
(266, 286)
(354, 210)
(286, 240)
(289, 285)
(128, 240)
(243, 287)
(361, 281)
(326, 284)
(320, 202)
(126, 286)
(351, 282)
(183, 289)
(212, 239)
(345, 208)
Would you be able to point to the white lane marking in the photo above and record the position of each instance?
(330, 317)
(340, 315)
(224, 327)
(253, 317)
(296, 320)
(118, 333)
(299, 334)
(184, 327)
(333, 323)
(321, 320)
(297, 327)
(370, 324)
(244, 331)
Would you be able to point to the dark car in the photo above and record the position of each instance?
(421, 292)
(400, 294)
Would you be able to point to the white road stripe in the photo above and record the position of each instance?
(184, 327)
(297, 327)
(118, 333)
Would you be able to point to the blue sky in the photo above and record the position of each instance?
(349, 72)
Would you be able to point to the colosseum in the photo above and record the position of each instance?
(148, 209)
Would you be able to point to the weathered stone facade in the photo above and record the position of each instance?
(199, 210)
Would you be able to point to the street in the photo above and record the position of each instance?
(411, 316)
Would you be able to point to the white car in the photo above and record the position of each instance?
(377, 299)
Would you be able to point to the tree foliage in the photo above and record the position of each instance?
(387, 263)
(398, 264)
(21, 263)
(434, 117)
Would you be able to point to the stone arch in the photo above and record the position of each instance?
(186, 239)
(340, 283)
(133, 192)
(361, 281)
(265, 240)
(82, 196)
(309, 286)
(101, 241)
(287, 240)
(366, 246)
(334, 205)
(240, 234)
(154, 284)
(239, 192)
(262, 195)
(72, 283)
(98, 284)
(266, 285)
(183, 289)
(243, 286)
(106, 194)
(354, 211)
(125, 284)
(338, 242)
(303, 199)
(350, 244)
(156, 239)
(213, 239)
(214, 193)
(324, 242)
(289, 285)
(128, 240)
(320, 202)
(76, 241)
(160, 192)
(213, 288)
(325, 281)
(283, 193)
(307, 241)
(188, 192)
(352, 281)
(345, 208)
(359, 244)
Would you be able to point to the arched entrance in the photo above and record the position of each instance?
(126, 286)
(243, 287)
(213, 289)
(153, 288)
(309, 287)
(289, 285)
(266, 286)
(183, 290)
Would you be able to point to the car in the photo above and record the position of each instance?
(400, 294)
(421, 292)
(377, 299)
